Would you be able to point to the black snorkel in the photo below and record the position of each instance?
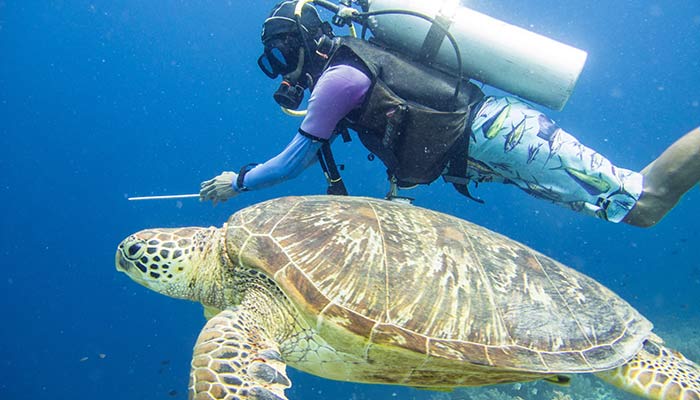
(293, 36)
(290, 93)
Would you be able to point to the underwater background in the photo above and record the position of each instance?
(102, 100)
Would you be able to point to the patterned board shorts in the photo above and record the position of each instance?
(514, 143)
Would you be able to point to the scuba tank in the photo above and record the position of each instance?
(518, 61)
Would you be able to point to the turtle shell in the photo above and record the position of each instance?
(379, 275)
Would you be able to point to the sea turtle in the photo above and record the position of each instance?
(367, 290)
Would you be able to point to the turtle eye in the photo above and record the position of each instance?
(134, 248)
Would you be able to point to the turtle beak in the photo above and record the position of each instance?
(128, 259)
(129, 251)
(121, 263)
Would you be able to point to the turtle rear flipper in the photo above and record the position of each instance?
(234, 358)
(658, 373)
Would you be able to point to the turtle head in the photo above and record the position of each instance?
(184, 263)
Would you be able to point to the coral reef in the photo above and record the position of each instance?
(561, 396)
(583, 387)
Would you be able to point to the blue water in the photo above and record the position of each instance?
(100, 100)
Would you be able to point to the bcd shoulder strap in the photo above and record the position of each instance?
(457, 166)
(336, 186)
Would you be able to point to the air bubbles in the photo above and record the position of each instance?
(617, 93)
(656, 11)
(100, 356)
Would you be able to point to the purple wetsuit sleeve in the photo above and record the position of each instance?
(339, 90)
(297, 156)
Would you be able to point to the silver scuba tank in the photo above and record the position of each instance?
(513, 59)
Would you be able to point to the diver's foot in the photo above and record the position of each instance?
(667, 179)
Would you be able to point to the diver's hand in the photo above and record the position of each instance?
(219, 188)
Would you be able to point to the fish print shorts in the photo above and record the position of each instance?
(514, 143)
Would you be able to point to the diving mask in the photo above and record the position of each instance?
(280, 56)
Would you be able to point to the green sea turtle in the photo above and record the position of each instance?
(367, 290)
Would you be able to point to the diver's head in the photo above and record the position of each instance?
(291, 46)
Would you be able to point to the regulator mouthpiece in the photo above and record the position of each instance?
(289, 95)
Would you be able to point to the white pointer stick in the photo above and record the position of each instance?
(175, 196)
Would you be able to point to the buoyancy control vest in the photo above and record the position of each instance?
(410, 118)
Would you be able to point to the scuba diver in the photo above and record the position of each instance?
(423, 123)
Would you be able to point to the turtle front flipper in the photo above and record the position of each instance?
(235, 359)
(657, 372)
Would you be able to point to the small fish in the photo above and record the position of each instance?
(596, 161)
(492, 127)
(542, 192)
(515, 136)
(481, 168)
(502, 166)
(532, 152)
(554, 145)
(592, 184)
(580, 150)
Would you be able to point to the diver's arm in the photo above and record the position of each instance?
(339, 90)
(299, 154)
(296, 157)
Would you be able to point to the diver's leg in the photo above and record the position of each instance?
(667, 179)
(514, 143)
